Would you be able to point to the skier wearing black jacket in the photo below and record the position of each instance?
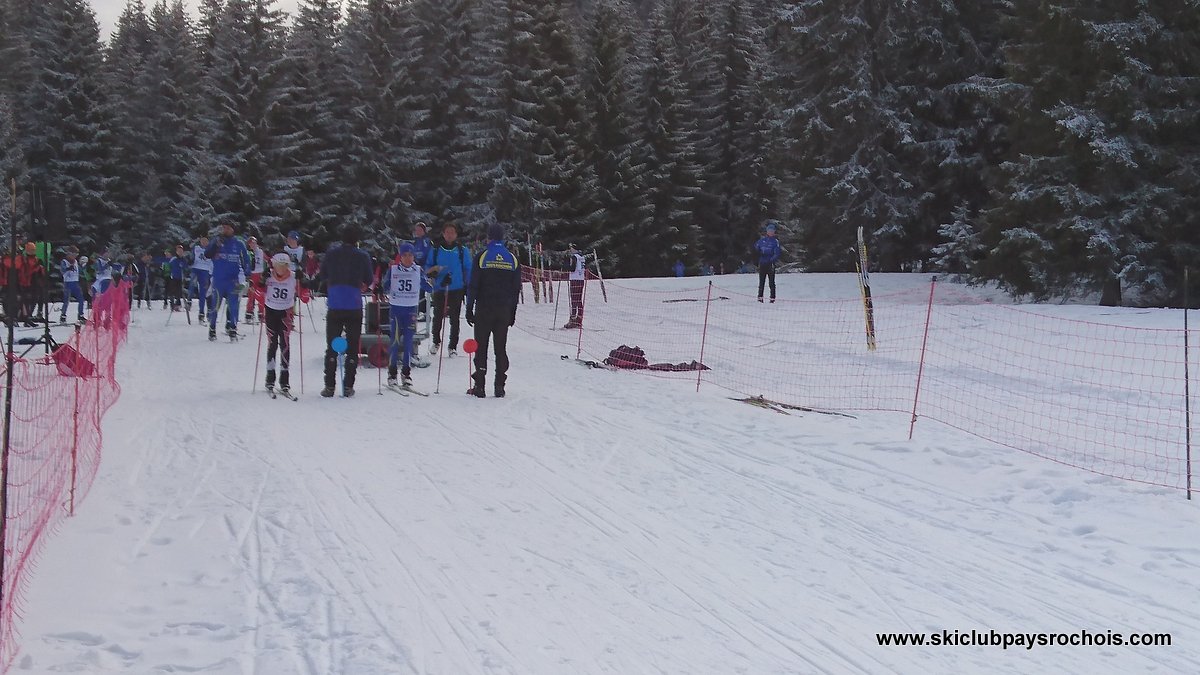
(346, 271)
(492, 299)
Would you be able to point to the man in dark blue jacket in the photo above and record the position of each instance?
(492, 307)
(229, 262)
(346, 271)
(768, 251)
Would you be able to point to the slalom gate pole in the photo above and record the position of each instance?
(379, 341)
(921, 369)
(442, 332)
(704, 336)
(302, 345)
(1187, 384)
(583, 303)
(257, 358)
(555, 324)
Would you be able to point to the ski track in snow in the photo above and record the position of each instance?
(591, 522)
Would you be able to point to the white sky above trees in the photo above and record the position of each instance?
(108, 11)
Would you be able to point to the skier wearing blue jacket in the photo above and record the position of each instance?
(449, 266)
(230, 258)
(768, 250)
(70, 269)
(177, 268)
(421, 247)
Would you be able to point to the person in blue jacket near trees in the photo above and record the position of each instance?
(449, 266)
(421, 247)
(177, 268)
(346, 271)
(679, 268)
(768, 251)
(230, 258)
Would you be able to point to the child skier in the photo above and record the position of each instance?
(69, 268)
(176, 270)
(279, 293)
(402, 283)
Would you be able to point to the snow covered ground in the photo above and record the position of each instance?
(591, 522)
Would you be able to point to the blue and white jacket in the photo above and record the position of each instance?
(768, 250)
(230, 259)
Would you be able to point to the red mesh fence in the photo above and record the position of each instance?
(1104, 397)
(58, 403)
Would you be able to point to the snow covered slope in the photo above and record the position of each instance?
(591, 522)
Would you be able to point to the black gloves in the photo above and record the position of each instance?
(513, 321)
(470, 316)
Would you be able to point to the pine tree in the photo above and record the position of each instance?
(1093, 173)
(63, 127)
(672, 177)
(130, 102)
(241, 88)
(619, 152)
(169, 82)
(449, 99)
(375, 86)
(309, 125)
(547, 157)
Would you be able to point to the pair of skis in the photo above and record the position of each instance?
(405, 390)
(864, 285)
(286, 394)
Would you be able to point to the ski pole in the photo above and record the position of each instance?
(301, 353)
(442, 332)
(378, 342)
(257, 358)
(556, 311)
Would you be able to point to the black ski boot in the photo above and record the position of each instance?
(327, 392)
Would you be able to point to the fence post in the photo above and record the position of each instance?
(583, 302)
(921, 369)
(1187, 385)
(704, 336)
(74, 446)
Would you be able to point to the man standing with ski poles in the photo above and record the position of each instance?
(346, 271)
(229, 259)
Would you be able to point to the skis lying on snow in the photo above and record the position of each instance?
(589, 364)
(783, 408)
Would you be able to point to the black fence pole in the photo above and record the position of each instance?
(9, 362)
(1187, 384)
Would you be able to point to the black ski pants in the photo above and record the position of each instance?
(766, 271)
(492, 325)
(340, 322)
(279, 339)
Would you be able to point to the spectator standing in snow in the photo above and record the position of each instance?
(449, 267)
(492, 307)
(678, 268)
(768, 250)
(576, 278)
(346, 271)
(229, 259)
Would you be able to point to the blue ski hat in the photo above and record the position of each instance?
(772, 225)
(407, 248)
(294, 235)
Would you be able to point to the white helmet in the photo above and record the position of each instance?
(281, 259)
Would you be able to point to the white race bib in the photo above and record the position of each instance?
(281, 294)
(70, 272)
(406, 286)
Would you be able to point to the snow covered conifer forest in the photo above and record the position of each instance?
(1053, 148)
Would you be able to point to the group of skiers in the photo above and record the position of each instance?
(30, 299)
(447, 274)
(487, 283)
